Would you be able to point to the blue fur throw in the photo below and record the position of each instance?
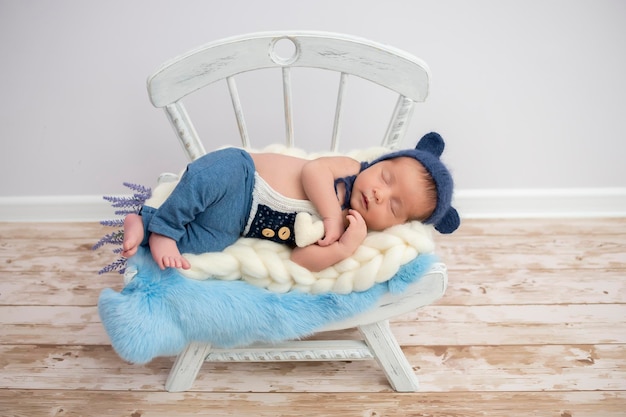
(159, 312)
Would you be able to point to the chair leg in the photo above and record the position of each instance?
(187, 365)
(390, 357)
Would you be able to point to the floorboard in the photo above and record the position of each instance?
(533, 323)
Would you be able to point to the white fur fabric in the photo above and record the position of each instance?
(266, 264)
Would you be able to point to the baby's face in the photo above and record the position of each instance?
(391, 192)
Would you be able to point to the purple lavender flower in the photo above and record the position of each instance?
(128, 205)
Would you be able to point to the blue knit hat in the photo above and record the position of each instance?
(445, 218)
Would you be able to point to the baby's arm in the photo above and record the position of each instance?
(318, 181)
(316, 257)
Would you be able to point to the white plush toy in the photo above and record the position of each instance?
(308, 229)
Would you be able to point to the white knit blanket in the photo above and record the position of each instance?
(266, 264)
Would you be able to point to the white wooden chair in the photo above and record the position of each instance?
(347, 56)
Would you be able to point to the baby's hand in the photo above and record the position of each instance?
(333, 229)
(356, 232)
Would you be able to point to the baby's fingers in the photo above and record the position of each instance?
(355, 216)
(327, 240)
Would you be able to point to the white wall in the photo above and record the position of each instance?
(528, 94)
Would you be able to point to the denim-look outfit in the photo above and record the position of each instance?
(208, 209)
(220, 198)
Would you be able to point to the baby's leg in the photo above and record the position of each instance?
(133, 234)
(166, 253)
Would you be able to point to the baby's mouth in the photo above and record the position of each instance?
(366, 202)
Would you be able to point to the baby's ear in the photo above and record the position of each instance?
(431, 142)
(449, 223)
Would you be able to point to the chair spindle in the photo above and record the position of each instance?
(288, 105)
(343, 81)
(241, 123)
(399, 122)
(185, 130)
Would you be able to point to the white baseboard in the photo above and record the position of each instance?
(521, 203)
(80, 208)
(542, 203)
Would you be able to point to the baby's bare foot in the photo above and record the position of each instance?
(166, 253)
(133, 235)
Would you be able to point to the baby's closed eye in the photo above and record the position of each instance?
(386, 176)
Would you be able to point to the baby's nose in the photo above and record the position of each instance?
(380, 194)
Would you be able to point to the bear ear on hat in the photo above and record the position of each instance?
(449, 223)
(431, 142)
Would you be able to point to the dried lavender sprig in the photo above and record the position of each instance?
(113, 238)
(128, 205)
(124, 213)
(146, 191)
(113, 223)
(123, 201)
(119, 266)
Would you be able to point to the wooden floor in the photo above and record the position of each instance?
(533, 324)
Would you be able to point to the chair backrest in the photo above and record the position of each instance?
(392, 68)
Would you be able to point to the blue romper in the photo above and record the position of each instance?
(220, 198)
